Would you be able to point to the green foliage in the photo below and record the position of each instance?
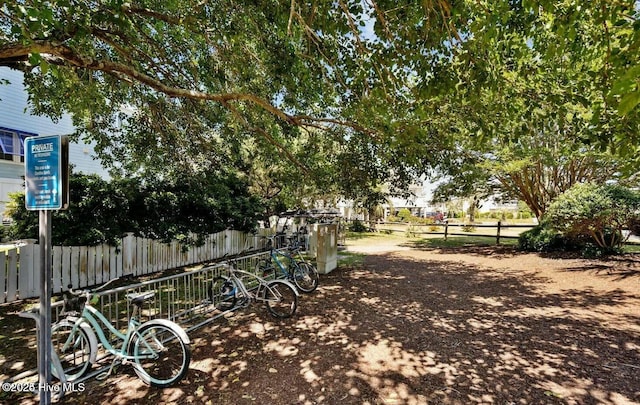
(546, 238)
(528, 87)
(598, 211)
(357, 226)
(468, 228)
(404, 214)
(541, 238)
(591, 250)
(97, 214)
(349, 95)
(498, 215)
(240, 84)
(180, 208)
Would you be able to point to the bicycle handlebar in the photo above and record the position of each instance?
(88, 292)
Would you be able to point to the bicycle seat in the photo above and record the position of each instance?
(73, 302)
(139, 299)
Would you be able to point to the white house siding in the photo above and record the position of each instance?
(15, 115)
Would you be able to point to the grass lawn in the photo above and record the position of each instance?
(460, 241)
(438, 241)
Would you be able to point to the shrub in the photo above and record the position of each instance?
(541, 239)
(468, 228)
(525, 214)
(182, 207)
(393, 218)
(590, 250)
(357, 226)
(597, 212)
(404, 214)
(545, 238)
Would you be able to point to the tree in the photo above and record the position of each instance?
(195, 77)
(532, 112)
(380, 78)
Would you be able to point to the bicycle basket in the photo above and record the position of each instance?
(73, 303)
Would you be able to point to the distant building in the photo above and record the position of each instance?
(419, 203)
(18, 123)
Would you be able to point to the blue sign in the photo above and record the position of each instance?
(46, 165)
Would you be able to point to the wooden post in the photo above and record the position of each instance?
(498, 233)
(446, 230)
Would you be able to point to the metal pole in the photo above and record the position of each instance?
(44, 332)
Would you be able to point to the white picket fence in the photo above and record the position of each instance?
(84, 266)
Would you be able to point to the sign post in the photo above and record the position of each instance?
(47, 189)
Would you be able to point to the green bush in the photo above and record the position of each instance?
(591, 250)
(525, 214)
(595, 212)
(541, 239)
(357, 226)
(469, 227)
(545, 238)
(174, 208)
(393, 218)
(404, 214)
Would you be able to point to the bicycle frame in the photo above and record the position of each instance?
(274, 256)
(294, 258)
(262, 284)
(94, 319)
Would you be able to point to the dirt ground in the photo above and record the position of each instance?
(476, 325)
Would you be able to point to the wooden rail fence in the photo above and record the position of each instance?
(498, 230)
(493, 230)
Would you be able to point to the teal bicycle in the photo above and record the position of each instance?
(158, 349)
(288, 263)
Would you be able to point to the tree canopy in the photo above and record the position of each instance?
(351, 93)
(538, 109)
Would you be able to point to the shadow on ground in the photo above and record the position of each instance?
(407, 331)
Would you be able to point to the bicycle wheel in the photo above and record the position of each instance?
(223, 293)
(281, 299)
(160, 356)
(73, 348)
(306, 277)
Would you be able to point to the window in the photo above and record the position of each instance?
(6, 143)
(12, 144)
